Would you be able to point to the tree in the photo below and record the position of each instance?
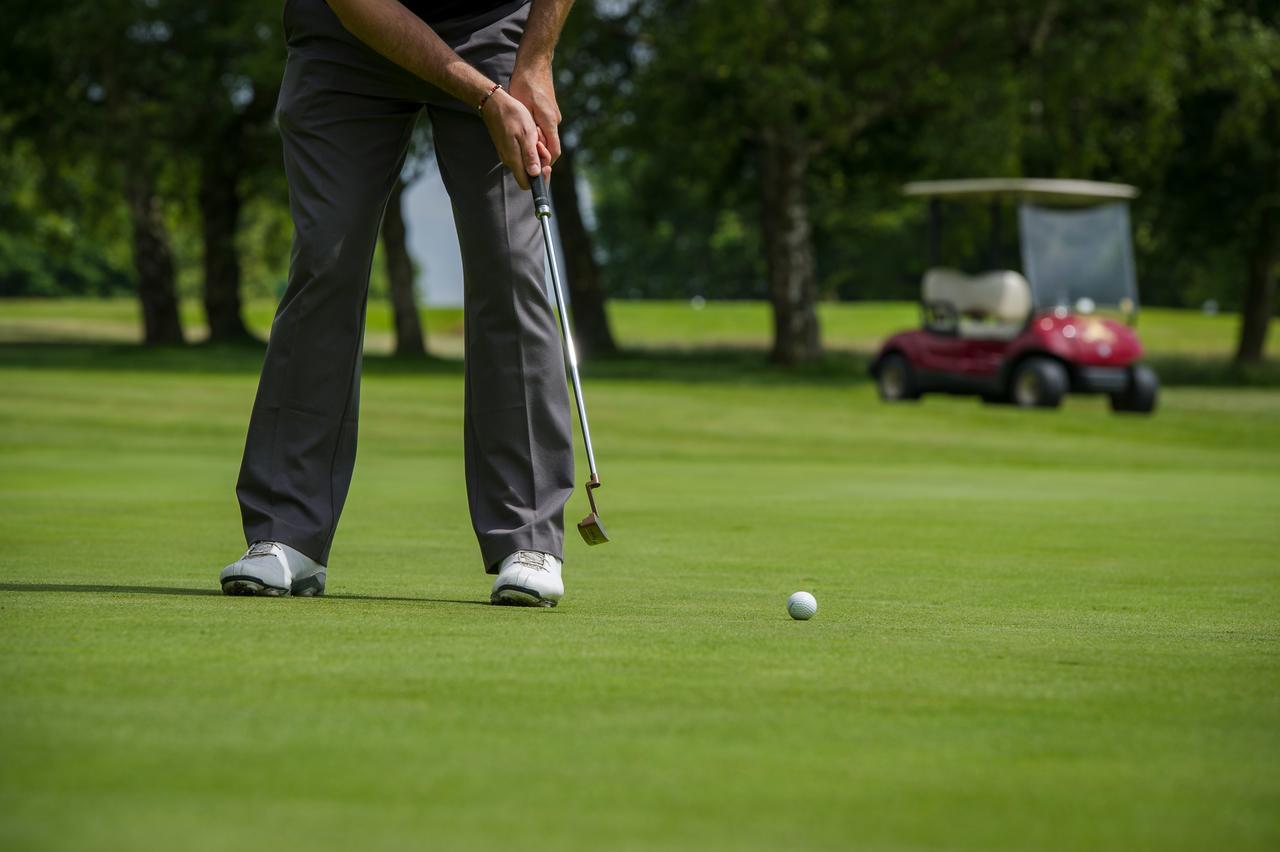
(1224, 184)
(153, 259)
(227, 57)
(51, 242)
(410, 341)
(168, 97)
(745, 98)
(592, 62)
(590, 321)
(88, 80)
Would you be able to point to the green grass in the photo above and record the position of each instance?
(856, 326)
(1050, 631)
(118, 321)
(1186, 347)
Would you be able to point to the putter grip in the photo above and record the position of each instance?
(541, 200)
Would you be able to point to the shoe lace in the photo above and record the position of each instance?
(260, 548)
(532, 559)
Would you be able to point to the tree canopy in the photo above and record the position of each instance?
(722, 149)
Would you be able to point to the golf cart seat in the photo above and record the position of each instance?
(990, 306)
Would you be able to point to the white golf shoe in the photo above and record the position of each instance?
(273, 569)
(528, 578)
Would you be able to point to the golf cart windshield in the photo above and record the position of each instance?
(1078, 254)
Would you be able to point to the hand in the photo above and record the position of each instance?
(536, 90)
(515, 135)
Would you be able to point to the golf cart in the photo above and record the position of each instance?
(1064, 323)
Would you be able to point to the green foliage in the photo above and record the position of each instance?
(667, 104)
(61, 249)
(848, 83)
(1224, 172)
(888, 92)
(683, 248)
(107, 90)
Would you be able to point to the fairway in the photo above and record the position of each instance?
(836, 609)
(1036, 630)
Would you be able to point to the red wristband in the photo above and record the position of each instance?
(488, 94)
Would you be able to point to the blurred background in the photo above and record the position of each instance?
(716, 151)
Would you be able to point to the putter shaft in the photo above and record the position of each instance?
(591, 528)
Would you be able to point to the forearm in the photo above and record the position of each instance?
(401, 36)
(541, 32)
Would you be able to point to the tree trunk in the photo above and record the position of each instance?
(219, 199)
(789, 254)
(1260, 295)
(591, 330)
(404, 304)
(153, 260)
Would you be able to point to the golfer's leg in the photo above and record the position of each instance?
(519, 449)
(343, 152)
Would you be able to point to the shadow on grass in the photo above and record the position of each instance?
(219, 358)
(1193, 371)
(88, 588)
(724, 365)
(104, 589)
(703, 365)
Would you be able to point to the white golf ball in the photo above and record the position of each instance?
(801, 606)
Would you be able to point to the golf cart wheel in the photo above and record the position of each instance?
(1039, 383)
(895, 380)
(1141, 394)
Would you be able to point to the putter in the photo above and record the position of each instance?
(591, 527)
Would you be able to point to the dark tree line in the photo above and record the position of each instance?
(739, 149)
(758, 148)
(158, 101)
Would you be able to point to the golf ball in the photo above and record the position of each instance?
(801, 606)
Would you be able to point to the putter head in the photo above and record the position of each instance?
(591, 527)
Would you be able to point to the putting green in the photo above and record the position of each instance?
(1036, 630)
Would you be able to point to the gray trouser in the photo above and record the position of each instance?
(346, 116)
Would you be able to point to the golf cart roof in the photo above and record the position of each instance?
(1043, 190)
